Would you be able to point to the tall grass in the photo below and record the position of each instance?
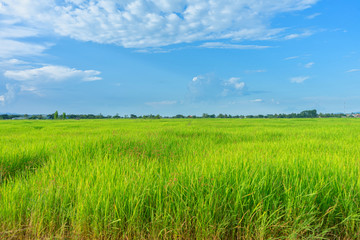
(160, 179)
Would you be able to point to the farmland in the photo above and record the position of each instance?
(188, 178)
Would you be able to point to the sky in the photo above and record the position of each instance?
(173, 57)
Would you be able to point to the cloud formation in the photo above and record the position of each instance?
(309, 65)
(221, 45)
(291, 58)
(353, 70)
(51, 73)
(23, 78)
(153, 23)
(299, 79)
(161, 103)
(235, 83)
(9, 95)
(209, 87)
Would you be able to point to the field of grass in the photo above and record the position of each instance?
(184, 179)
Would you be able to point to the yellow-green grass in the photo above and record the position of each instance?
(191, 178)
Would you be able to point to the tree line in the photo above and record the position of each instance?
(56, 116)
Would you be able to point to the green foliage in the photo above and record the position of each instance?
(56, 115)
(180, 179)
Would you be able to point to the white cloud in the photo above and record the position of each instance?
(256, 71)
(291, 58)
(309, 65)
(10, 48)
(209, 87)
(274, 101)
(257, 100)
(9, 94)
(151, 23)
(161, 103)
(312, 16)
(299, 79)
(235, 83)
(12, 62)
(231, 46)
(34, 80)
(298, 35)
(51, 73)
(353, 70)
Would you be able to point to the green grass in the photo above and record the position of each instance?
(161, 179)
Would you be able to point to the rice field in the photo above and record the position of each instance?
(180, 179)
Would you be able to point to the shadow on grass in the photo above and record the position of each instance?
(20, 164)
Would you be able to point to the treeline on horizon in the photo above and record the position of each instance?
(303, 114)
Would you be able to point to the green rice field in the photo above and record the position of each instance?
(180, 179)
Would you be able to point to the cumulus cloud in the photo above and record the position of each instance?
(299, 79)
(235, 83)
(153, 23)
(9, 95)
(51, 73)
(309, 65)
(208, 87)
(23, 78)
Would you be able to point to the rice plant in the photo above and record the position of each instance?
(180, 179)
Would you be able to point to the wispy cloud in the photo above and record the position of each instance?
(292, 57)
(12, 62)
(10, 48)
(309, 65)
(312, 16)
(298, 35)
(161, 103)
(222, 45)
(353, 70)
(51, 73)
(299, 79)
(255, 71)
(257, 100)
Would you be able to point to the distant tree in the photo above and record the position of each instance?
(133, 116)
(64, 116)
(56, 115)
(308, 114)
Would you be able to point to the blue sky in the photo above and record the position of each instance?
(179, 57)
